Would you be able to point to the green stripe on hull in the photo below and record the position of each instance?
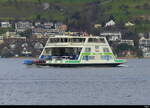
(120, 61)
(86, 54)
(107, 53)
(72, 61)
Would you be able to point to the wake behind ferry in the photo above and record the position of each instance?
(68, 51)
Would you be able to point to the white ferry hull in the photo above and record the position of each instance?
(80, 64)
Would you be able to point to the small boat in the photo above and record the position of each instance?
(72, 51)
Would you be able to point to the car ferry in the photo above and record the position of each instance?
(68, 51)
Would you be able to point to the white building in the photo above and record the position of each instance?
(48, 25)
(22, 26)
(5, 24)
(112, 36)
(144, 45)
(37, 24)
(11, 35)
(57, 25)
(129, 42)
(129, 24)
(110, 23)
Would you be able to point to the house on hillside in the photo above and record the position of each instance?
(37, 24)
(97, 26)
(22, 26)
(140, 35)
(38, 32)
(144, 45)
(48, 25)
(112, 36)
(10, 35)
(5, 24)
(63, 27)
(110, 23)
(57, 25)
(129, 24)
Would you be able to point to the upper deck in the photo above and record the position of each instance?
(75, 41)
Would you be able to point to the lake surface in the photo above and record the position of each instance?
(31, 85)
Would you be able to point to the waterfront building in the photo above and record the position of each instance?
(129, 42)
(22, 26)
(11, 35)
(144, 45)
(36, 24)
(62, 28)
(5, 24)
(57, 25)
(112, 36)
(48, 25)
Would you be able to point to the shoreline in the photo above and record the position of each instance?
(133, 57)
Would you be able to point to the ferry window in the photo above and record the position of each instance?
(106, 57)
(92, 40)
(78, 40)
(88, 58)
(53, 40)
(96, 47)
(58, 40)
(85, 58)
(63, 40)
(96, 40)
(91, 57)
(87, 49)
(105, 50)
(101, 40)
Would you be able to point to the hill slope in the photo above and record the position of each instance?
(77, 12)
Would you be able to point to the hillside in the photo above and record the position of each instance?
(125, 9)
(29, 9)
(80, 13)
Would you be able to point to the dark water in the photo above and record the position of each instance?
(129, 85)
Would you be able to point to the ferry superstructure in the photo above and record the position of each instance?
(64, 50)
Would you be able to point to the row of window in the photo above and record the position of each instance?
(76, 40)
(106, 57)
(65, 40)
(103, 57)
(96, 40)
(105, 50)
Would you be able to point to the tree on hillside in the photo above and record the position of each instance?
(120, 24)
(38, 17)
(146, 6)
(39, 1)
(5, 52)
(16, 3)
(124, 7)
(85, 19)
(9, 2)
